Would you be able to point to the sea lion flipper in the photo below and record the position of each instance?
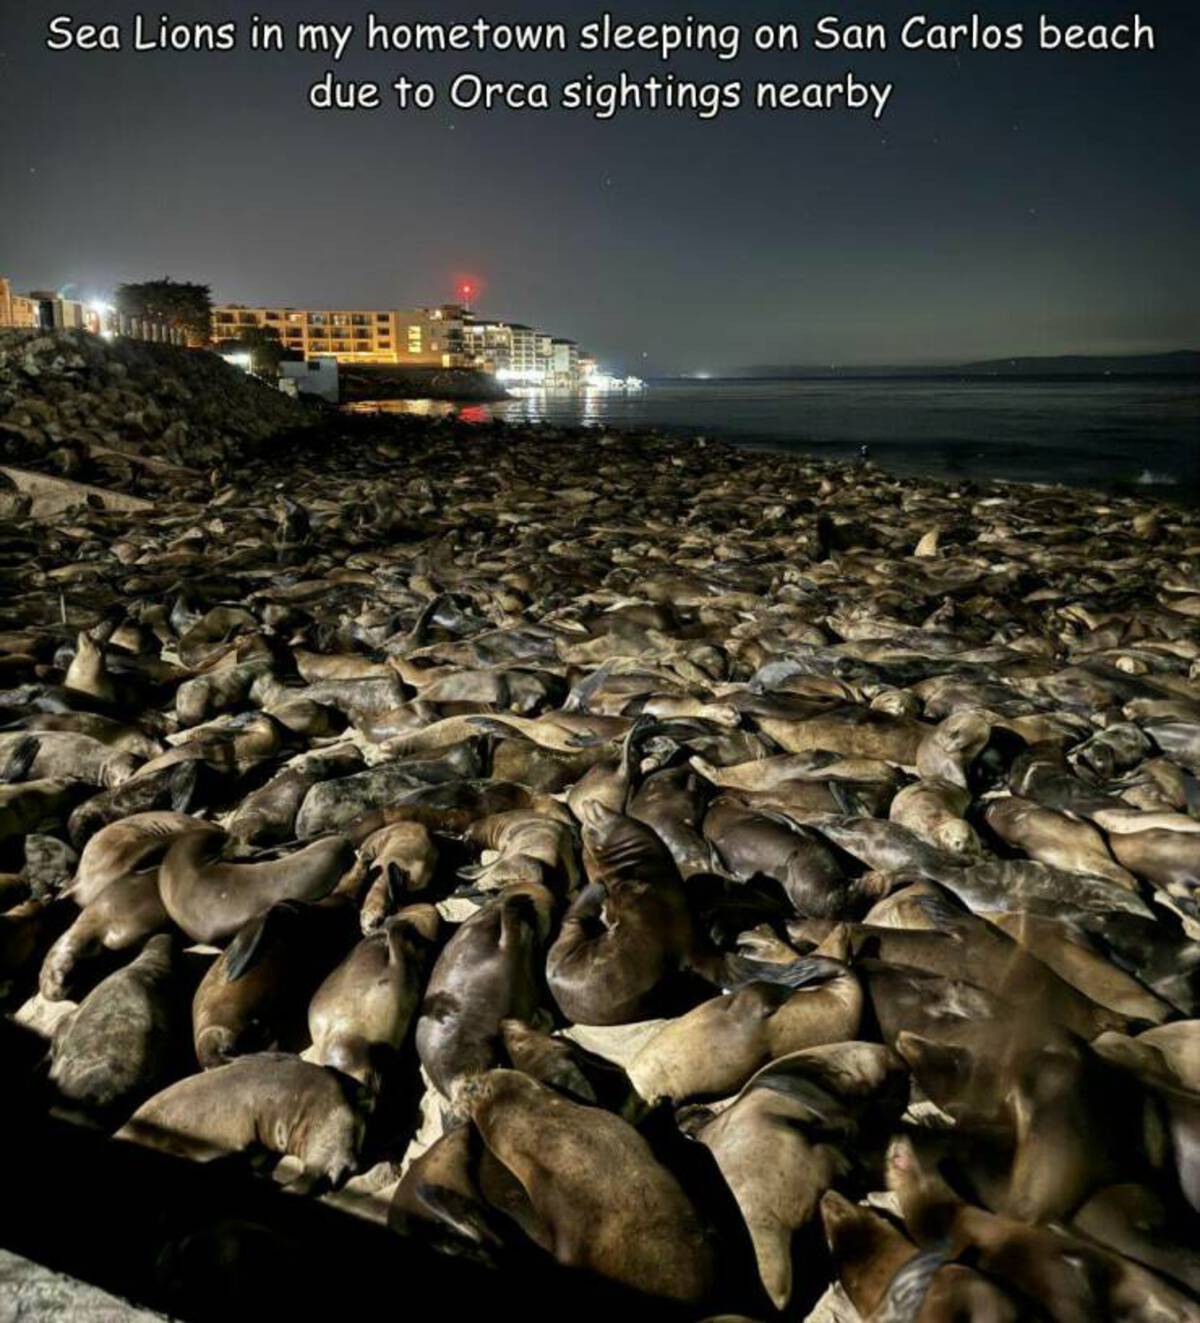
(801, 973)
(253, 940)
(20, 760)
(183, 784)
(457, 1211)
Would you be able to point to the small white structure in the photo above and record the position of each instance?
(315, 376)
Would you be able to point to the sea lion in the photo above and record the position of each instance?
(489, 971)
(777, 1145)
(1042, 1087)
(1166, 1060)
(124, 914)
(271, 1099)
(360, 1015)
(752, 843)
(255, 994)
(331, 805)
(268, 815)
(211, 899)
(628, 932)
(397, 859)
(527, 846)
(128, 846)
(1083, 1281)
(1134, 1221)
(33, 805)
(887, 1277)
(580, 1165)
(855, 732)
(116, 1047)
(66, 756)
(933, 810)
(549, 1060)
(1053, 838)
(716, 1047)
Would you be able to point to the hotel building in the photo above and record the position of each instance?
(421, 337)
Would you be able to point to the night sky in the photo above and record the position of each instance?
(1006, 203)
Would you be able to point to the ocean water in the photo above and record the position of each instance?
(1104, 432)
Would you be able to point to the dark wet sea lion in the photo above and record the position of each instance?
(116, 1047)
(361, 1013)
(179, 787)
(273, 1100)
(268, 815)
(32, 805)
(331, 805)
(579, 1165)
(489, 971)
(211, 899)
(1135, 1222)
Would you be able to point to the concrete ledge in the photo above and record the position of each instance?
(30, 1293)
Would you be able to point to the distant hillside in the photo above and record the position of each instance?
(1181, 363)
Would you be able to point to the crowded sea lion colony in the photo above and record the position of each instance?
(783, 875)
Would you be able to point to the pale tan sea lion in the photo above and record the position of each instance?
(273, 1100)
(933, 810)
(715, 1048)
(123, 915)
(1055, 839)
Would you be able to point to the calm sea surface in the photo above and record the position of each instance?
(1102, 432)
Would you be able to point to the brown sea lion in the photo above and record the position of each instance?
(211, 899)
(1038, 1084)
(752, 843)
(1083, 1281)
(489, 971)
(255, 994)
(115, 1048)
(400, 858)
(716, 1047)
(128, 846)
(777, 1145)
(549, 1060)
(1135, 1222)
(268, 814)
(628, 932)
(123, 915)
(527, 847)
(1166, 1060)
(610, 1207)
(273, 1100)
(933, 810)
(887, 1277)
(1053, 838)
(360, 1015)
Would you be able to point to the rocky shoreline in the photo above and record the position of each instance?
(780, 838)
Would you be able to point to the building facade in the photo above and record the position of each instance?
(17, 310)
(426, 337)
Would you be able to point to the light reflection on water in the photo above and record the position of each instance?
(1138, 431)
